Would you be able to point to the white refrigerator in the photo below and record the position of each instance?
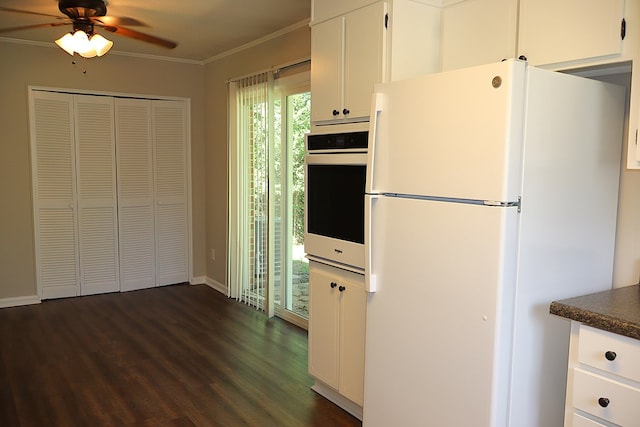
(491, 191)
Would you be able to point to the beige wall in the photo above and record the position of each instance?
(627, 252)
(627, 255)
(23, 65)
(290, 47)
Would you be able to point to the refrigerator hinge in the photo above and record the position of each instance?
(499, 204)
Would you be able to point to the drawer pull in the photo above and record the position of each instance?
(333, 285)
(603, 401)
(610, 355)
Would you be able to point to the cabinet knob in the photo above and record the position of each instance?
(333, 285)
(610, 355)
(345, 111)
(603, 401)
(335, 112)
(341, 288)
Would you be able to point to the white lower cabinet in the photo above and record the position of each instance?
(337, 311)
(603, 387)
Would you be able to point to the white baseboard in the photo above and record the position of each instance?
(220, 287)
(17, 301)
(202, 280)
(335, 397)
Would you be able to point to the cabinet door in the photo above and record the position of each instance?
(135, 193)
(327, 43)
(352, 332)
(476, 32)
(364, 58)
(561, 31)
(323, 327)
(97, 204)
(54, 189)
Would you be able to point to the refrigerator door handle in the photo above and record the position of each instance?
(376, 107)
(369, 276)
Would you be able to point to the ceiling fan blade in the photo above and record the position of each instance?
(34, 26)
(8, 9)
(119, 20)
(140, 36)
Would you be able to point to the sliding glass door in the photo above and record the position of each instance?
(267, 268)
(291, 288)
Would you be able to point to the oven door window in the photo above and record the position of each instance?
(335, 204)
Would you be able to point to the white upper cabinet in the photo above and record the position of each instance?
(356, 46)
(327, 69)
(347, 60)
(476, 32)
(321, 10)
(548, 32)
(570, 30)
(566, 35)
(364, 58)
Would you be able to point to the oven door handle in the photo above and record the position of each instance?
(369, 275)
(376, 107)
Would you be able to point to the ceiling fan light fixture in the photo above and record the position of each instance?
(100, 44)
(85, 46)
(85, 15)
(66, 43)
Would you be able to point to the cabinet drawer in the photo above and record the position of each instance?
(597, 347)
(621, 405)
(580, 421)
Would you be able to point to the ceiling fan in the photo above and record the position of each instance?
(84, 15)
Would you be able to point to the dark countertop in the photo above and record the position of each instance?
(616, 310)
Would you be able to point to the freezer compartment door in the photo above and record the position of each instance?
(454, 134)
(438, 326)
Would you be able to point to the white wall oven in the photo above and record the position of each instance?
(336, 166)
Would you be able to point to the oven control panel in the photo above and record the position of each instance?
(338, 141)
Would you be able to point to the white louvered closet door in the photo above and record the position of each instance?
(55, 208)
(97, 202)
(170, 160)
(134, 150)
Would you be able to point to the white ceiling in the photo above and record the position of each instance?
(202, 28)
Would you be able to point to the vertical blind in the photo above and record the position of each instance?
(250, 135)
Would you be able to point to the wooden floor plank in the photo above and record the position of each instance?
(178, 355)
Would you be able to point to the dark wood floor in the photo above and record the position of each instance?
(173, 356)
